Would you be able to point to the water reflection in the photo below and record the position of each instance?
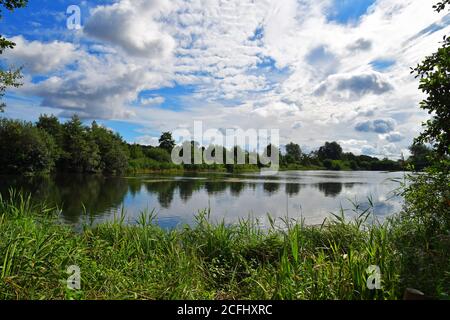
(330, 189)
(178, 198)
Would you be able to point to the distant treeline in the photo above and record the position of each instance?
(49, 146)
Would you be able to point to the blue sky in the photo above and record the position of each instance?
(317, 70)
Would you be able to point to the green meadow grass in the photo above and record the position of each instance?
(205, 261)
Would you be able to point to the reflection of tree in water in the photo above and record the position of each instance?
(39, 186)
(350, 185)
(236, 188)
(330, 189)
(98, 194)
(134, 186)
(165, 191)
(215, 187)
(293, 189)
(188, 187)
(271, 188)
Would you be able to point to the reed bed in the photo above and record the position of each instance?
(204, 261)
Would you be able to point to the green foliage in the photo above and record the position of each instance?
(9, 78)
(421, 156)
(52, 126)
(293, 153)
(158, 154)
(424, 229)
(434, 73)
(71, 146)
(81, 153)
(285, 260)
(166, 142)
(113, 151)
(24, 149)
(12, 4)
(136, 151)
(424, 232)
(204, 261)
(143, 165)
(331, 150)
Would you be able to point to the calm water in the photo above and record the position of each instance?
(311, 195)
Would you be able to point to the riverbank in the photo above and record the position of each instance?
(207, 261)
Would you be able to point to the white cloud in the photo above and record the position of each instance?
(130, 25)
(148, 141)
(152, 101)
(41, 58)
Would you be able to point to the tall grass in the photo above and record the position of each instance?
(205, 261)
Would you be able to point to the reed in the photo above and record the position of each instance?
(285, 260)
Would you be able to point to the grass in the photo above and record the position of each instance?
(206, 261)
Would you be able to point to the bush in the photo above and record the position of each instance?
(424, 231)
(158, 154)
(24, 149)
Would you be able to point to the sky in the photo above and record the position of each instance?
(318, 70)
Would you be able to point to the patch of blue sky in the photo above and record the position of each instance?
(129, 131)
(271, 72)
(173, 96)
(382, 64)
(258, 34)
(348, 11)
(38, 78)
(44, 20)
(24, 108)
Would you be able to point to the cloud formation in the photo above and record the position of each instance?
(378, 126)
(252, 64)
(41, 57)
(130, 25)
(351, 86)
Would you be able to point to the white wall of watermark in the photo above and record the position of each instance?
(73, 21)
(374, 279)
(74, 280)
(248, 147)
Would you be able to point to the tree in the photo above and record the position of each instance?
(9, 78)
(166, 142)
(441, 5)
(158, 154)
(331, 150)
(24, 149)
(136, 151)
(420, 156)
(293, 152)
(434, 73)
(81, 153)
(52, 126)
(112, 150)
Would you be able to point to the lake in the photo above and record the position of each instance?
(310, 195)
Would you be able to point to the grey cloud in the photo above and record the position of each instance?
(395, 137)
(297, 125)
(378, 126)
(360, 45)
(369, 150)
(354, 86)
(322, 59)
(93, 94)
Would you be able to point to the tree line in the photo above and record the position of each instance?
(51, 146)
